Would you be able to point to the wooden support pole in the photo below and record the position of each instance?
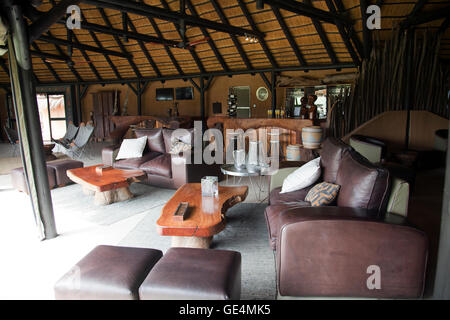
(27, 115)
(139, 100)
(273, 89)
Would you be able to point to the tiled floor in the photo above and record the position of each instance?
(36, 265)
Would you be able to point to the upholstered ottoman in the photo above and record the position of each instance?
(194, 274)
(107, 273)
(19, 181)
(60, 167)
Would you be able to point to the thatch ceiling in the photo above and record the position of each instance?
(150, 60)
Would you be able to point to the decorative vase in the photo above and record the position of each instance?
(293, 152)
(239, 158)
(312, 137)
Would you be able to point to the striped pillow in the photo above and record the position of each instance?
(322, 194)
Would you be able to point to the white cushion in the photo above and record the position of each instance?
(303, 177)
(132, 148)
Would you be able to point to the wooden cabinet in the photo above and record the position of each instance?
(105, 104)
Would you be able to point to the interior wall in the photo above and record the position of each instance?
(391, 127)
(217, 92)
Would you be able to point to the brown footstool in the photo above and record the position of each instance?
(194, 274)
(19, 181)
(60, 167)
(107, 273)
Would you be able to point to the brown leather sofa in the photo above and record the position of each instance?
(162, 168)
(328, 251)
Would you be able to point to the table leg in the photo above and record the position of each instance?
(111, 196)
(192, 242)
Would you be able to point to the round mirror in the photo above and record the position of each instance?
(262, 93)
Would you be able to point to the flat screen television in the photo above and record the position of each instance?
(184, 93)
(164, 94)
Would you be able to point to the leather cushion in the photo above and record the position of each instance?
(333, 150)
(135, 163)
(19, 181)
(107, 272)
(155, 140)
(161, 166)
(363, 185)
(194, 274)
(275, 197)
(61, 167)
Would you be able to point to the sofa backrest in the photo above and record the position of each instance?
(155, 139)
(333, 150)
(363, 185)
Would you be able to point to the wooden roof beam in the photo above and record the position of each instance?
(143, 9)
(169, 53)
(344, 35)
(63, 42)
(289, 36)
(43, 58)
(208, 36)
(323, 37)
(262, 42)
(182, 35)
(69, 64)
(307, 10)
(425, 17)
(144, 50)
(236, 42)
(43, 24)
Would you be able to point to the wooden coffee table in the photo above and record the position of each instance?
(205, 216)
(107, 187)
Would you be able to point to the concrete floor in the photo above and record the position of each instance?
(30, 267)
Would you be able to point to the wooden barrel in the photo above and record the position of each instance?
(312, 137)
(293, 152)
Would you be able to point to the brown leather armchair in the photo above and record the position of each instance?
(162, 168)
(326, 251)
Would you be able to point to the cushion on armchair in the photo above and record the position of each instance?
(131, 148)
(363, 185)
(322, 194)
(303, 177)
(155, 140)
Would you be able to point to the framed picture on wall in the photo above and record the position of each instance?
(184, 93)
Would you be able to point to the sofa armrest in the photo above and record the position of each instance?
(342, 257)
(109, 154)
(276, 180)
(184, 171)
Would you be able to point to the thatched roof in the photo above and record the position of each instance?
(300, 44)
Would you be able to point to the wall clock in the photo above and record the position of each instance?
(262, 94)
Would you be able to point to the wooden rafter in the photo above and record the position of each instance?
(168, 15)
(119, 42)
(208, 37)
(262, 42)
(323, 36)
(183, 39)
(48, 65)
(289, 36)
(344, 35)
(236, 42)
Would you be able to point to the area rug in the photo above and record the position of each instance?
(71, 200)
(246, 232)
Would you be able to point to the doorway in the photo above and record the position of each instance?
(242, 94)
(52, 114)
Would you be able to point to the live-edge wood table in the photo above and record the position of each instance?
(205, 216)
